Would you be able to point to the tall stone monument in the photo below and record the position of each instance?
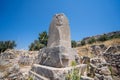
(59, 32)
(58, 54)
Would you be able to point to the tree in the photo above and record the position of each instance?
(7, 45)
(74, 43)
(40, 43)
(43, 38)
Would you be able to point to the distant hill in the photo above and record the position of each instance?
(99, 38)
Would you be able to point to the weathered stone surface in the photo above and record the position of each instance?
(102, 77)
(59, 32)
(86, 78)
(105, 71)
(57, 56)
(97, 49)
(112, 49)
(58, 52)
(4, 62)
(25, 60)
(10, 71)
(7, 55)
(50, 73)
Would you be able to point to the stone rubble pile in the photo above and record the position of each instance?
(25, 60)
(112, 56)
(10, 71)
(97, 49)
(10, 64)
(99, 69)
(8, 54)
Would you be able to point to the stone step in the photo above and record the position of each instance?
(37, 76)
(54, 68)
(52, 73)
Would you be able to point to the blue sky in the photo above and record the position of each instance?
(22, 20)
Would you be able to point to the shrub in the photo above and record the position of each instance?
(91, 40)
(115, 36)
(30, 78)
(82, 42)
(74, 44)
(103, 38)
(74, 74)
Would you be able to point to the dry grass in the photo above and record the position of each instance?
(3, 68)
(112, 42)
(85, 50)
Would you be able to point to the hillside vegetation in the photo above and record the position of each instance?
(85, 50)
(99, 38)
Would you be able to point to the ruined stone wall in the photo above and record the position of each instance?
(114, 60)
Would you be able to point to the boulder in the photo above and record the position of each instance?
(97, 49)
(57, 57)
(105, 71)
(102, 77)
(86, 78)
(7, 55)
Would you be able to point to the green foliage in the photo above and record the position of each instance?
(40, 43)
(74, 74)
(73, 63)
(43, 38)
(74, 44)
(91, 40)
(7, 45)
(83, 42)
(111, 70)
(114, 36)
(30, 78)
(99, 38)
(103, 38)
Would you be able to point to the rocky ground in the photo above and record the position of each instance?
(103, 60)
(102, 64)
(15, 65)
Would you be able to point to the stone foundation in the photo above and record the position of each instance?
(40, 72)
(57, 57)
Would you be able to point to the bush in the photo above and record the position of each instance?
(83, 42)
(4, 45)
(115, 36)
(91, 40)
(103, 38)
(74, 74)
(74, 44)
(30, 78)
